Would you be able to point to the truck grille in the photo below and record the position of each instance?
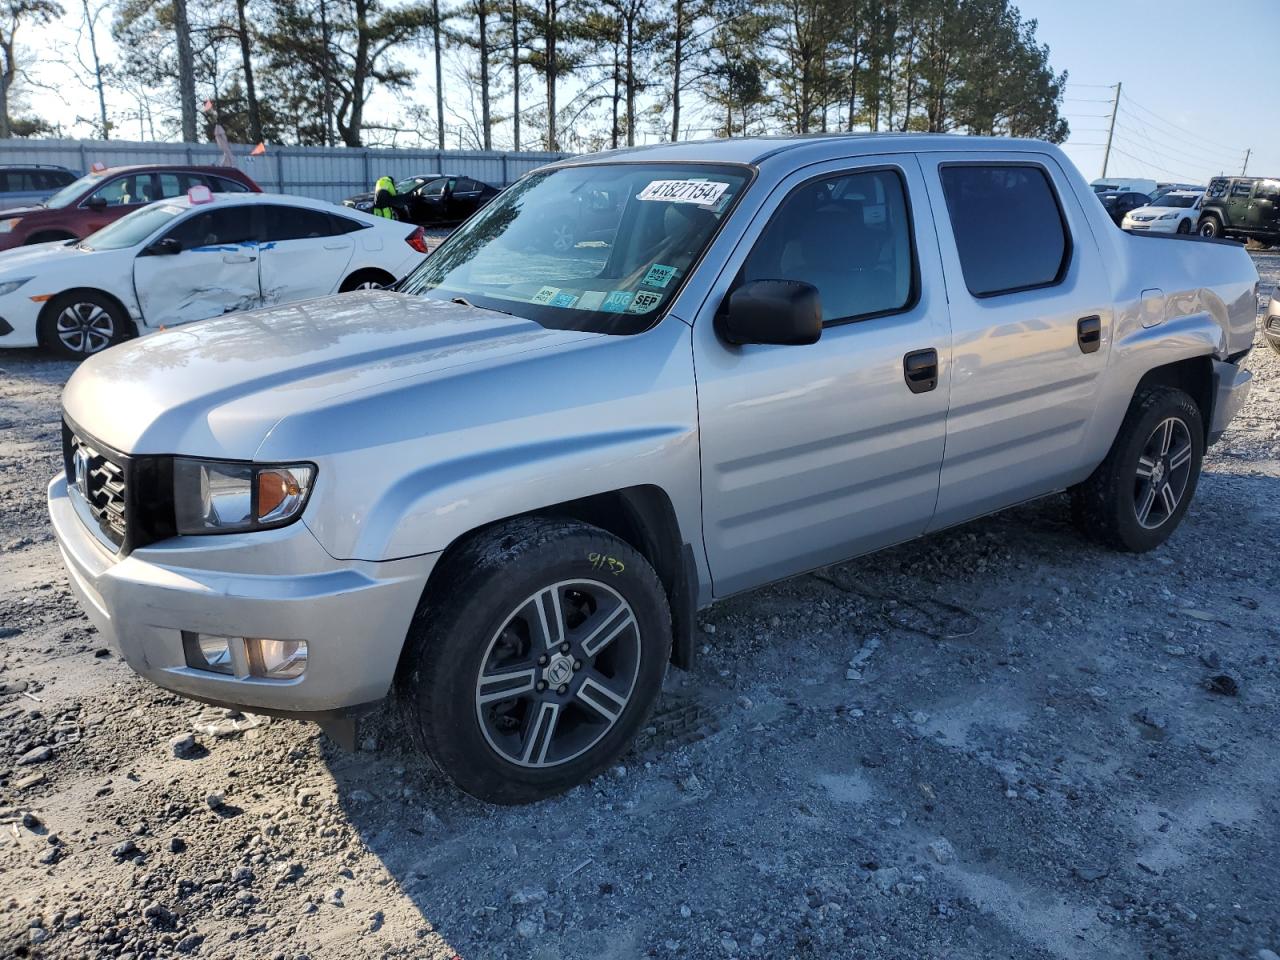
(102, 486)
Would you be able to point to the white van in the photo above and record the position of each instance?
(1123, 185)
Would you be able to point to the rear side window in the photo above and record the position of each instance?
(848, 235)
(226, 185)
(1241, 188)
(296, 223)
(1008, 227)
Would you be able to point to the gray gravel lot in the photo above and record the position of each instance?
(996, 742)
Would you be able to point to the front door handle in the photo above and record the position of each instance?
(1089, 334)
(920, 370)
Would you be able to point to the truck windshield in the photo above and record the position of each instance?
(600, 248)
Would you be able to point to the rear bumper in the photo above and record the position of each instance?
(1231, 389)
(277, 584)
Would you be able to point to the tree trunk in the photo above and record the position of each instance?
(326, 95)
(631, 77)
(482, 9)
(435, 15)
(351, 130)
(677, 61)
(186, 70)
(515, 69)
(97, 72)
(617, 96)
(552, 11)
(255, 120)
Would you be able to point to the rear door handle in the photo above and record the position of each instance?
(335, 246)
(1089, 334)
(238, 258)
(920, 370)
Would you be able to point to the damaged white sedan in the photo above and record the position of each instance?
(189, 259)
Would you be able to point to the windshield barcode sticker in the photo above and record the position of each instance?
(702, 192)
(591, 300)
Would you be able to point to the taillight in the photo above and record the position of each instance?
(418, 240)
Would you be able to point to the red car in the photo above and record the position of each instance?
(97, 199)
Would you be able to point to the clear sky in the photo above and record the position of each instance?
(1201, 83)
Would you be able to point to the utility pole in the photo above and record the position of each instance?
(1106, 155)
(1246, 161)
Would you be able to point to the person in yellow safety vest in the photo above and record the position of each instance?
(384, 194)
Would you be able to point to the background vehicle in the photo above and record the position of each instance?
(1118, 205)
(177, 261)
(1243, 208)
(1172, 213)
(364, 201)
(97, 199)
(1167, 188)
(437, 200)
(1124, 185)
(1271, 323)
(24, 184)
(524, 470)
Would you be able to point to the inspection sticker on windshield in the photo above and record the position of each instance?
(617, 301)
(644, 301)
(659, 275)
(545, 295)
(702, 192)
(563, 299)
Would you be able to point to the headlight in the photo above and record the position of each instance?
(1168, 216)
(364, 205)
(8, 286)
(7, 225)
(211, 496)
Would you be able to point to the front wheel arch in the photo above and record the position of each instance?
(48, 236)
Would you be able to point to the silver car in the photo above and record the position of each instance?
(505, 488)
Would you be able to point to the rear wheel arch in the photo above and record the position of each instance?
(1193, 376)
(358, 278)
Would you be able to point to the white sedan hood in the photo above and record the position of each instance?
(215, 389)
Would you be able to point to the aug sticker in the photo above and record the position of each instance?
(563, 299)
(659, 275)
(591, 300)
(644, 301)
(617, 301)
(545, 295)
(702, 192)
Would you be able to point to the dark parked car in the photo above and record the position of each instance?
(1120, 203)
(433, 199)
(22, 184)
(1244, 208)
(97, 199)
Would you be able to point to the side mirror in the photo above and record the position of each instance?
(786, 312)
(165, 247)
(96, 203)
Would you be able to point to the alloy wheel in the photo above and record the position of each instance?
(1164, 468)
(85, 327)
(558, 674)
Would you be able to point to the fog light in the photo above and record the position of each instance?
(204, 652)
(276, 659)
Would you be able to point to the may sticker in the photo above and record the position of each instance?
(644, 301)
(617, 301)
(563, 299)
(702, 192)
(545, 295)
(659, 275)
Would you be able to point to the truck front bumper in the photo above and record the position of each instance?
(273, 584)
(1232, 384)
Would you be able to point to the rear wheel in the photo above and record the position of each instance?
(1140, 493)
(538, 653)
(80, 323)
(366, 280)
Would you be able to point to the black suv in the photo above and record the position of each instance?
(1246, 208)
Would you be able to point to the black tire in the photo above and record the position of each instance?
(80, 323)
(1184, 226)
(1108, 507)
(478, 621)
(1209, 227)
(366, 280)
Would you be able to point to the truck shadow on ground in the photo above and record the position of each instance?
(846, 774)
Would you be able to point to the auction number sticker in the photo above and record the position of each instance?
(617, 301)
(704, 193)
(644, 301)
(659, 275)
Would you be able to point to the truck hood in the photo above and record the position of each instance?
(216, 388)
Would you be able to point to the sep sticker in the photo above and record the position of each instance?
(591, 300)
(563, 299)
(644, 301)
(702, 192)
(617, 301)
(659, 275)
(545, 295)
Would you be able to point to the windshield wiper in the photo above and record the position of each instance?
(463, 301)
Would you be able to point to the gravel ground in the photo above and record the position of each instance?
(995, 742)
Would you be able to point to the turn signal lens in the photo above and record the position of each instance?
(279, 492)
(418, 240)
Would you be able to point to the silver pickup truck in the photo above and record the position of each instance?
(634, 384)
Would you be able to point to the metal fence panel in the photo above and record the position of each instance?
(324, 173)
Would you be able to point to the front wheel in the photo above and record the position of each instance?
(1210, 227)
(81, 323)
(1184, 227)
(535, 657)
(1140, 493)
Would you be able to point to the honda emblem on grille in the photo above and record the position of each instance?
(80, 463)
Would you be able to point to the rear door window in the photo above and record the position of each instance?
(295, 223)
(1009, 229)
(226, 185)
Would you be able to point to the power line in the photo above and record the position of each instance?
(1161, 150)
(1170, 123)
(1168, 139)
